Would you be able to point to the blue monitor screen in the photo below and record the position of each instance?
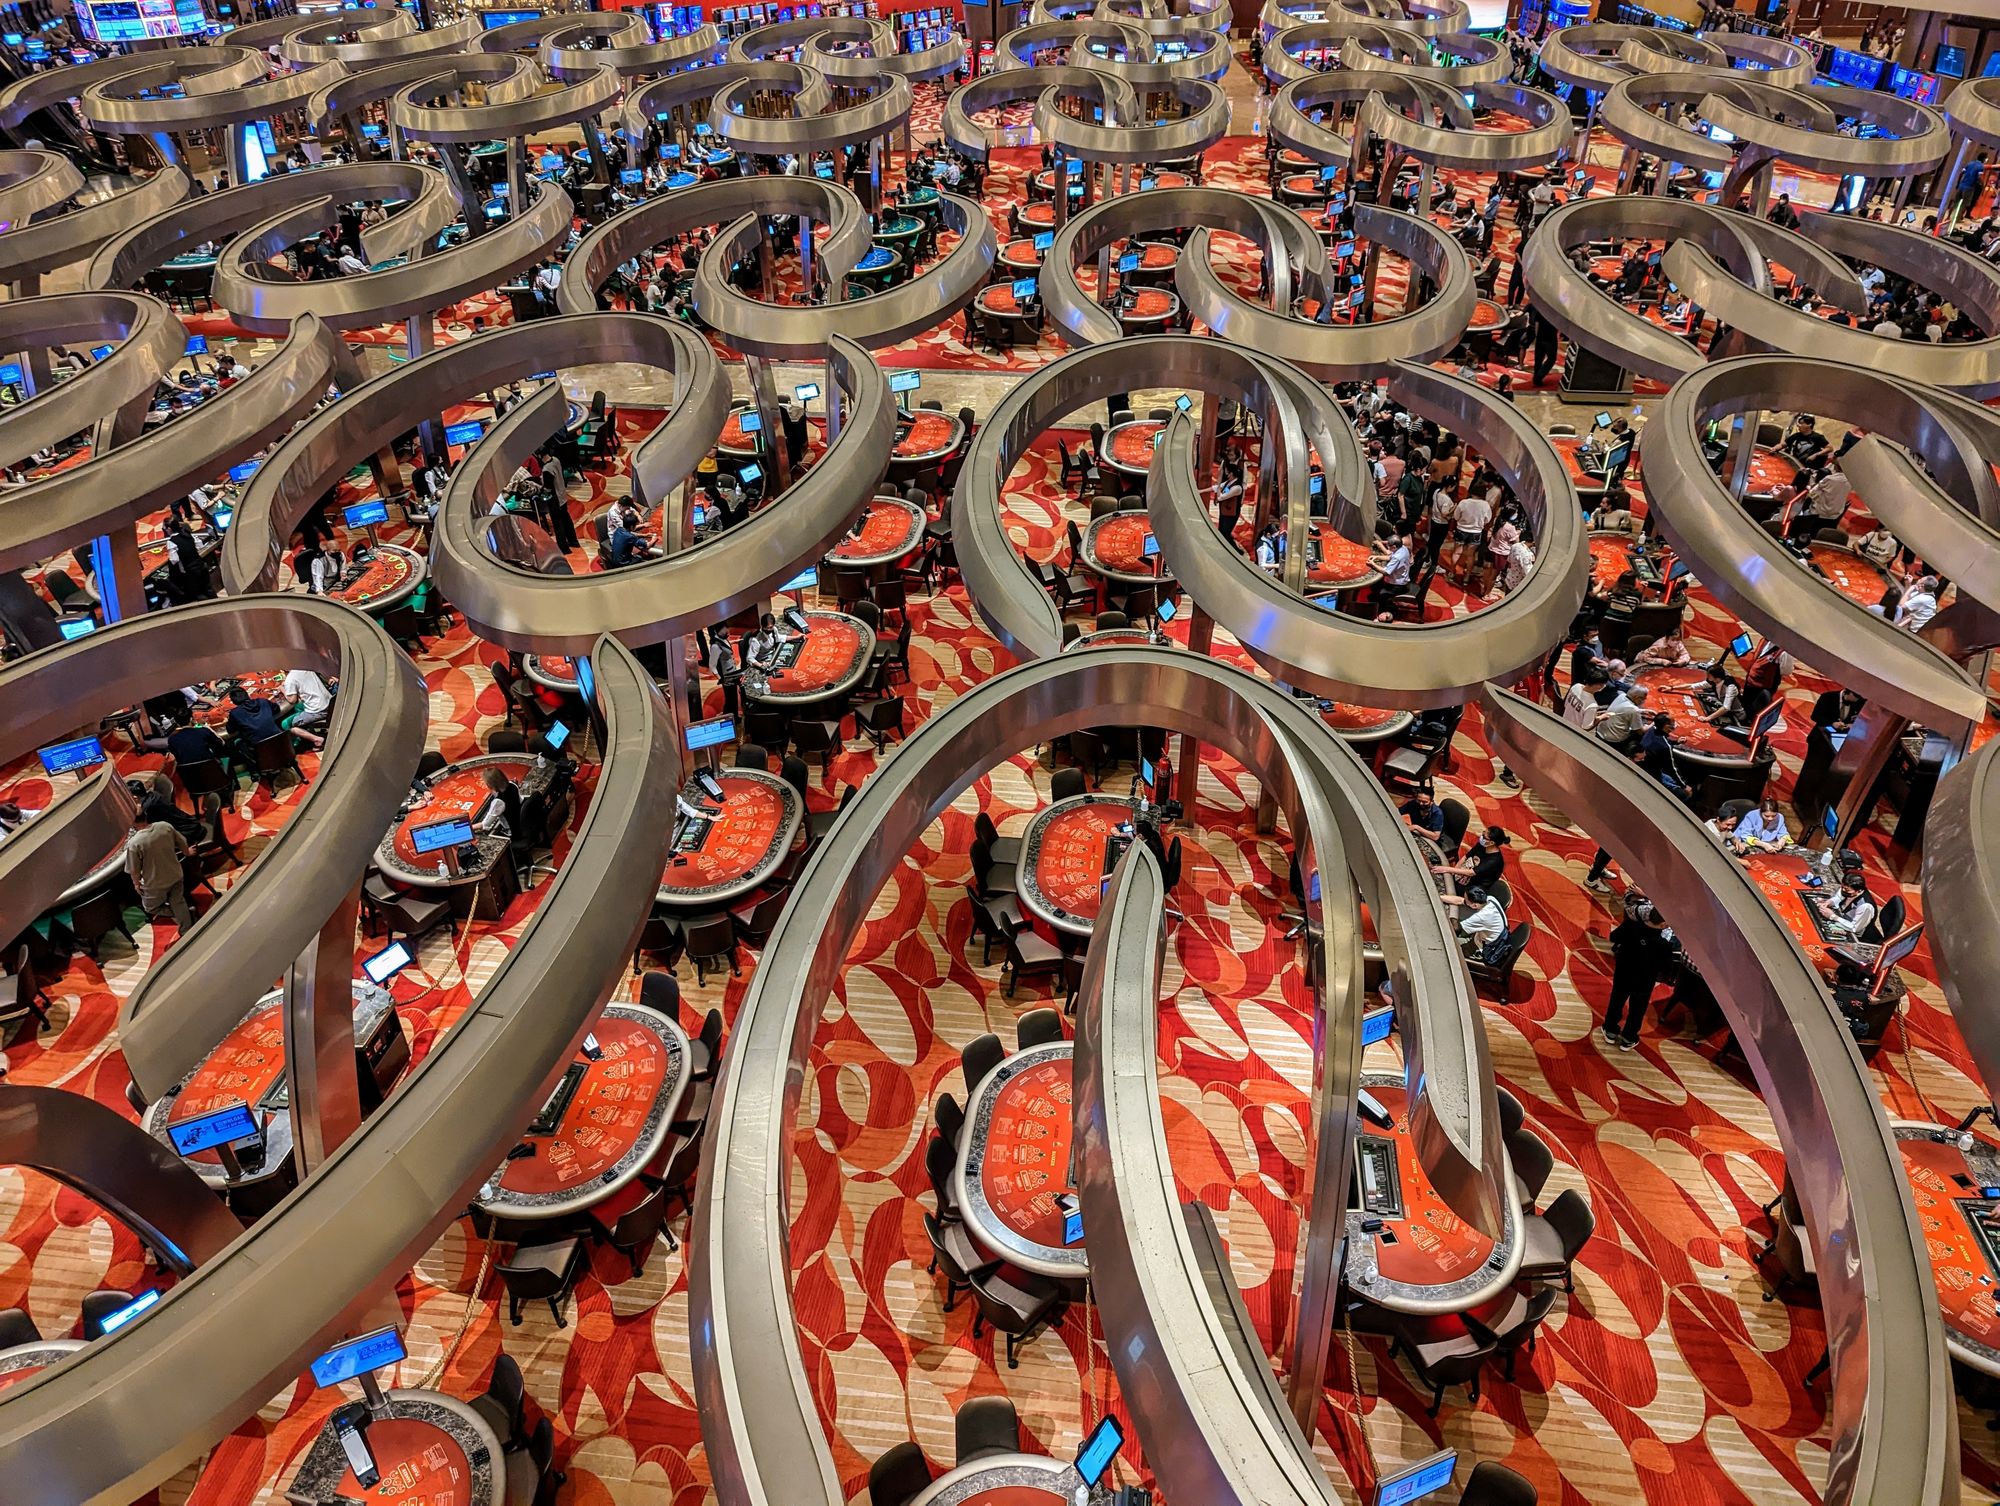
(1149, 182)
(1856, 68)
(438, 835)
(11, 373)
(1073, 1227)
(1045, 240)
(750, 423)
(1832, 822)
(391, 960)
(668, 151)
(1166, 610)
(231, 1125)
(223, 516)
(114, 1321)
(1418, 1481)
(556, 735)
(78, 753)
(197, 345)
(1099, 1449)
(1184, 402)
(750, 473)
(551, 161)
(358, 1356)
(711, 733)
(1950, 62)
(1024, 288)
(1376, 1025)
(73, 628)
(906, 381)
(805, 392)
(805, 580)
(465, 433)
(1359, 296)
(372, 132)
(1740, 645)
(363, 513)
(243, 472)
(631, 177)
(99, 352)
(1129, 262)
(1151, 548)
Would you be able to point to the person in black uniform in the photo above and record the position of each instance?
(1642, 947)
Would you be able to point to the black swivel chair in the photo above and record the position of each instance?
(948, 1120)
(1532, 1161)
(1457, 817)
(980, 1056)
(17, 1328)
(504, 1404)
(637, 1228)
(1017, 1309)
(97, 1306)
(986, 1425)
(1494, 1484)
(1038, 1027)
(899, 1476)
(1550, 1242)
(542, 1273)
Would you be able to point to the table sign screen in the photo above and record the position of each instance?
(363, 513)
(1166, 610)
(1376, 1025)
(465, 433)
(10, 374)
(750, 474)
(711, 733)
(909, 381)
(805, 580)
(115, 1321)
(358, 1356)
(388, 962)
(1099, 1449)
(241, 473)
(73, 628)
(439, 835)
(1184, 402)
(197, 345)
(805, 392)
(556, 735)
(631, 177)
(99, 352)
(231, 1125)
(750, 423)
(1419, 1480)
(78, 753)
(1045, 240)
(1129, 262)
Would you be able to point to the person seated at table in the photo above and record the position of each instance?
(1804, 443)
(1394, 565)
(499, 814)
(1623, 718)
(318, 567)
(627, 547)
(187, 743)
(1878, 546)
(1761, 830)
(1271, 546)
(1919, 605)
(308, 703)
(252, 719)
(1851, 911)
(1423, 813)
(1483, 923)
(1669, 651)
(1656, 753)
(1485, 861)
(762, 644)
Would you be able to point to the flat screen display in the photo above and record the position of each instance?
(907, 381)
(465, 433)
(750, 423)
(1740, 645)
(10, 374)
(1129, 262)
(805, 392)
(78, 753)
(556, 735)
(388, 962)
(141, 20)
(1950, 62)
(364, 513)
(1099, 1449)
(358, 1356)
(231, 1125)
(197, 345)
(438, 835)
(750, 474)
(1376, 1025)
(242, 473)
(73, 628)
(1418, 1481)
(114, 1321)
(711, 733)
(1024, 289)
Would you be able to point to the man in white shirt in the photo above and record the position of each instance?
(306, 699)
(350, 264)
(1395, 565)
(1827, 501)
(1579, 707)
(1483, 920)
(1920, 606)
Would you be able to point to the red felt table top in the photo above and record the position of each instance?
(1132, 444)
(999, 299)
(927, 433)
(1021, 253)
(1304, 184)
(1351, 718)
(1609, 557)
(1150, 303)
(1119, 542)
(1769, 470)
(1069, 864)
(605, 1116)
(1674, 691)
(384, 573)
(1853, 576)
(733, 433)
(239, 1070)
(1780, 875)
(1156, 256)
(886, 529)
(457, 792)
(1037, 214)
(1486, 314)
(1434, 1246)
(1026, 1161)
(825, 659)
(740, 840)
(15, 1377)
(421, 1464)
(556, 666)
(1340, 558)
(1957, 1261)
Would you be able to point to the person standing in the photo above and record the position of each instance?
(153, 863)
(1642, 948)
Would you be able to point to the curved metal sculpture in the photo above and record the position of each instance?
(1892, 1408)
